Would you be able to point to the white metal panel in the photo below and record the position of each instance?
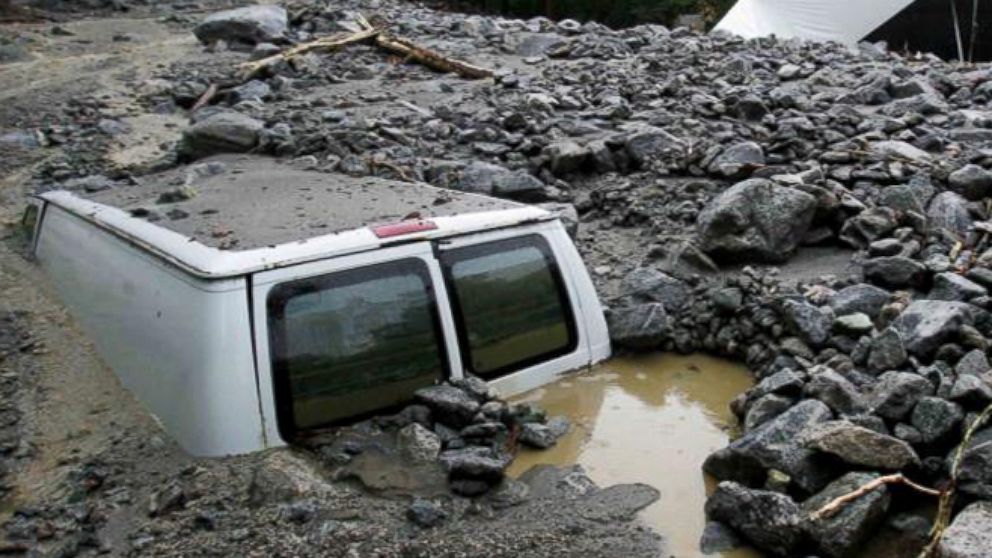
(263, 283)
(843, 21)
(593, 343)
(200, 260)
(180, 344)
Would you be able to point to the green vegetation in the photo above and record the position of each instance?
(615, 13)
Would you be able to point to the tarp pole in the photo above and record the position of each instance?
(957, 30)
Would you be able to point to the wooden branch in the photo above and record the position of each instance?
(209, 94)
(431, 59)
(331, 42)
(837, 504)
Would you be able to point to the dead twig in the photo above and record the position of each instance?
(391, 166)
(837, 504)
(207, 96)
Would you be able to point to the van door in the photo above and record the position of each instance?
(516, 307)
(349, 336)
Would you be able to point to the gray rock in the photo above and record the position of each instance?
(649, 143)
(836, 391)
(859, 446)
(975, 470)
(486, 178)
(775, 445)
(223, 132)
(418, 444)
(770, 521)
(951, 286)
(254, 90)
(949, 211)
(642, 326)
(843, 534)
(935, 418)
(566, 213)
(855, 325)
(901, 150)
(869, 225)
(970, 534)
(738, 160)
(887, 351)
(755, 220)
(451, 406)
(971, 181)
(567, 157)
(896, 393)
(895, 271)
(543, 436)
(971, 390)
(251, 24)
(475, 462)
(425, 513)
(973, 363)
(647, 284)
(540, 44)
(807, 322)
(861, 298)
(925, 325)
(784, 382)
(717, 538)
(764, 409)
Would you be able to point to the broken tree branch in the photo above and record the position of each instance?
(837, 504)
(331, 42)
(207, 96)
(430, 58)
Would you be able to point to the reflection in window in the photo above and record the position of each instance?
(356, 341)
(512, 308)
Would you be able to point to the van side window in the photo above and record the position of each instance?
(510, 303)
(353, 342)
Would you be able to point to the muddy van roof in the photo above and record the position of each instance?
(256, 213)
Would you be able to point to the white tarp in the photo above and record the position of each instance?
(844, 21)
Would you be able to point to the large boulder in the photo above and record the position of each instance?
(841, 535)
(862, 297)
(756, 220)
(925, 325)
(896, 272)
(859, 446)
(647, 284)
(251, 24)
(970, 534)
(223, 132)
(738, 160)
(776, 445)
(770, 521)
(949, 211)
(650, 143)
(640, 327)
(452, 406)
(936, 418)
(487, 178)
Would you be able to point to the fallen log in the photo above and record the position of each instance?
(431, 59)
(329, 43)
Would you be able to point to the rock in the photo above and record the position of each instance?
(770, 521)
(418, 444)
(925, 325)
(843, 534)
(901, 150)
(764, 409)
(647, 284)
(616, 503)
(567, 157)
(425, 513)
(836, 391)
(718, 538)
(450, 405)
(869, 225)
(540, 44)
(775, 445)
(475, 462)
(649, 143)
(806, 321)
(251, 25)
(861, 298)
(971, 390)
(784, 382)
(970, 534)
(223, 132)
(975, 470)
(639, 327)
(486, 178)
(755, 220)
(169, 498)
(895, 271)
(543, 436)
(566, 213)
(887, 351)
(973, 363)
(951, 286)
(896, 393)
(935, 418)
(738, 160)
(855, 325)
(728, 299)
(859, 446)
(254, 90)
(949, 211)
(971, 181)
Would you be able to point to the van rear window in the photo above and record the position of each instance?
(353, 342)
(510, 304)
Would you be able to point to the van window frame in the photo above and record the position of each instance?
(280, 294)
(448, 257)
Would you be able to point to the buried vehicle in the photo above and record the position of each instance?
(260, 304)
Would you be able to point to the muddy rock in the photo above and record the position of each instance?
(841, 535)
(970, 534)
(718, 537)
(859, 446)
(223, 132)
(418, 444)
(452, 406)
(769, 520)
(250, 25)
(755, 220)
(640, 327)
(543, 436)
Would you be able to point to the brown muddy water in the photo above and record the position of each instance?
(650, 419)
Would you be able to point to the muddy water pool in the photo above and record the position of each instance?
(650, 419)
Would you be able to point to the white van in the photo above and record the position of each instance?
(259, 304)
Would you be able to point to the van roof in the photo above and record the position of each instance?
(259, 214)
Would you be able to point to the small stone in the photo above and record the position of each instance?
(859, 446)
(854, 324)
(425, 513)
